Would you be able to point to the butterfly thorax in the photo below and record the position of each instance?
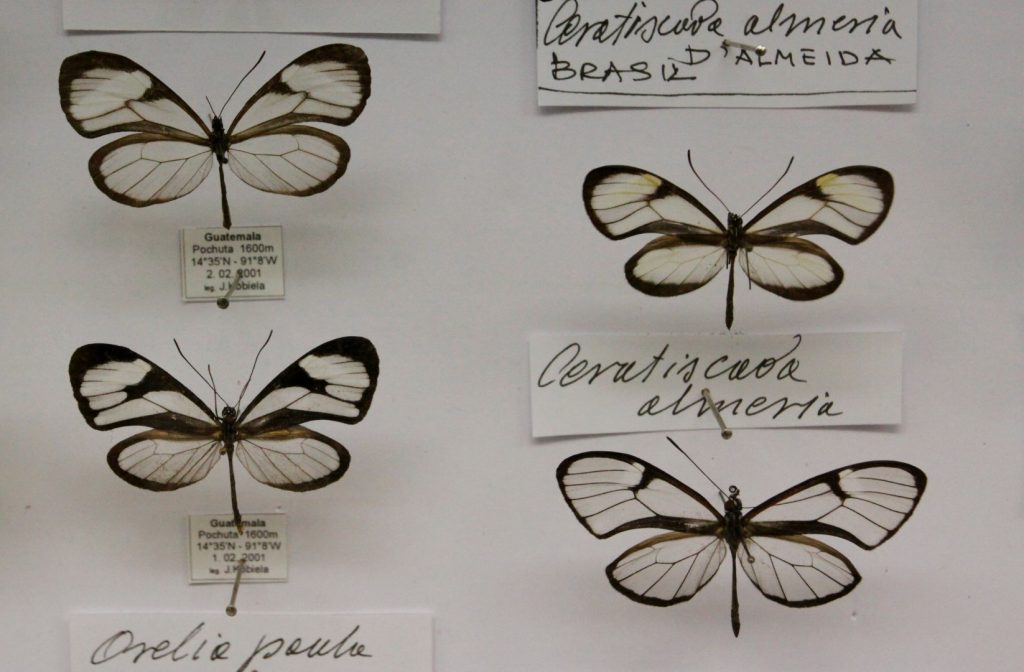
(733, 516)
(734, 235)
(228, 423)
(219, 140)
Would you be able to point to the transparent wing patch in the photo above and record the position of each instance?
(667, 569)
(793, 268)
(294, 160)
(292, 459)
(145, 169)
(164, 460)
(668, 266)
(795, 570)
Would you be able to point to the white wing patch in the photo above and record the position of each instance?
(145, 169)
(103, 386)
(623, 203)
(668, 568)
(296, 162)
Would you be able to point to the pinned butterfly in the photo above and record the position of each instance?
(864, 503)
(172, 150)
(693, 246)
(116, 387)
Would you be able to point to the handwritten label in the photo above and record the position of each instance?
(252, 642)
(250, 258)
(215, 548)
(604, 384)
(666, 53)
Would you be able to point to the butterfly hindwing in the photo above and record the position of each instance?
(146, 168)
(333, 381)
(116, 387)
(292, 160)
(164, 460)
(793, 268)
(668, 568)
(672, 265)
(795, 570)
(295, 458)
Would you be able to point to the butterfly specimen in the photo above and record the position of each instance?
(847, 203)
(171, 149)
(116, 387)
(863, 503)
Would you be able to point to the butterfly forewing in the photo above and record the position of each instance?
(623, 201)
(334, 381)
(115, 387)
(295, 458)
(864, 503)
(848, 203)
(106, 93)
(328, 84)
(611, 492)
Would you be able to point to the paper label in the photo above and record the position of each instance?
(666, 53)
(249, 258)
(215, 548)
(271, 16)
(252, 642)
(604, 384)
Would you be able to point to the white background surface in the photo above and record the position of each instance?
(458, 230)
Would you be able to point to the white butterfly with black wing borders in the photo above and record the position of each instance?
(116, 387)
(171, 150)
(863, 503)
(847, 203)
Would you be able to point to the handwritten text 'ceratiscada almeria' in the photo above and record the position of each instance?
(571, 366)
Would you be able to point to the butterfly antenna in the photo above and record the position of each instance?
(258, 60)
(784, 173)
(213, 113)
(208, 383)
(253, 370)
(699, 178)
(720, 491)
(209, 370)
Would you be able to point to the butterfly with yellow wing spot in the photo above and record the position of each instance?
(172, 150)
(847, 203)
